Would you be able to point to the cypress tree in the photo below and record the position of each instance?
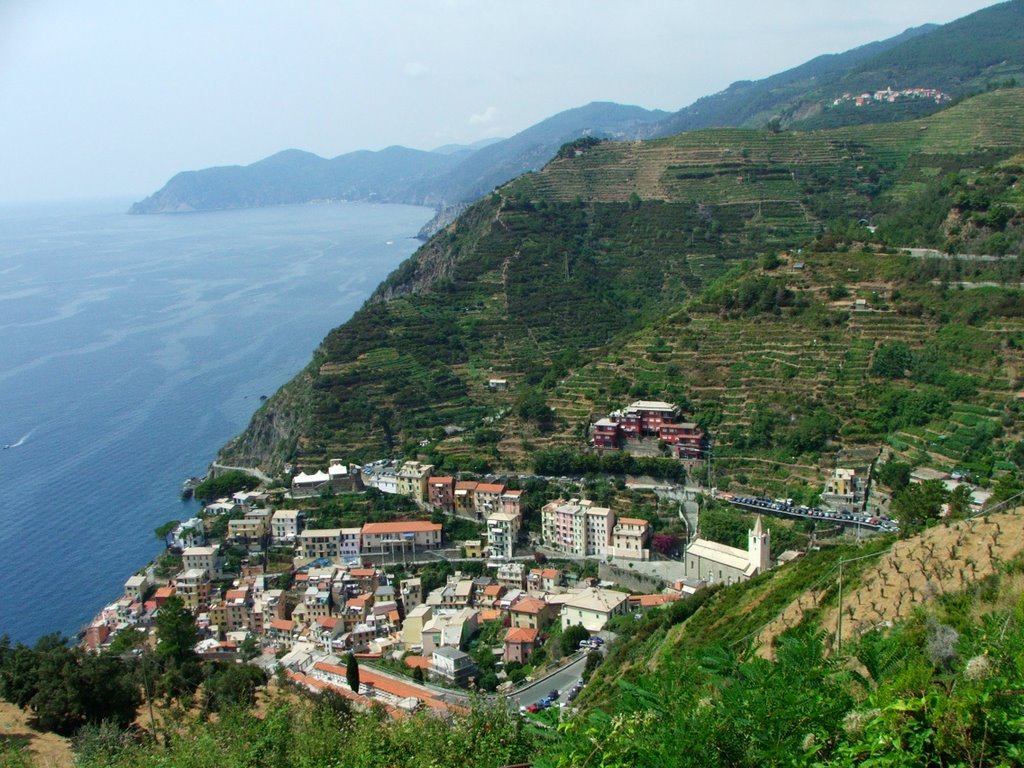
(352, 673)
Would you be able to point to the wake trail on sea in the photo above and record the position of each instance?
(23, 439)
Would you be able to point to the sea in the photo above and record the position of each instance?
(132, 348)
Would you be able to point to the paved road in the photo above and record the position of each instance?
(562, 680)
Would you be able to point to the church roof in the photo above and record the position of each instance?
(730, 557)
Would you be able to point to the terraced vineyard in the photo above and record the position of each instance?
(582, 285)
(729, 368)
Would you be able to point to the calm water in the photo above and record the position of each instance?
(131, 349)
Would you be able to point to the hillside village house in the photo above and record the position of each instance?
(519, 645)
(286, 524)
(190, 533)
(388, 538)
(251, 527)
(412, 627)
(511, 575)
(502, 534)
(441, 493)
(630, 536)
(651, 418)
(452, 665)
(314, 543)
(204, 559)
(136, 587)
(465, 497)
(577, 527)
(532, 613)
(192, 585)
(593, 608)
(488, 498)
(718, 563)
(411, 593)
(413, 478)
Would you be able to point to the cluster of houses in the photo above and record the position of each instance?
(651, 419)
(577, 527)
(890, 96)
(335, 607)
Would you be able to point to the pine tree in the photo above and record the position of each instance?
(352, 673)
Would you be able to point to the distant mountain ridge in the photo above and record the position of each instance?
(963, 57)
(396, 174)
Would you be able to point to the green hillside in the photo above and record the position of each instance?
(652, 268)
(964, 57)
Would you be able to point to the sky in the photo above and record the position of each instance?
(110, 99)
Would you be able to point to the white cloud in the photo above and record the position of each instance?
(415, 69)
(484, 118)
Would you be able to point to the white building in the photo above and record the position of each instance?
(202, 558)
(593, 608)
(717, 563)
(286, 524)
(502, 533)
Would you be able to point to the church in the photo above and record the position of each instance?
(717, 563)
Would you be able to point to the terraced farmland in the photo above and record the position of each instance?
(580, 284)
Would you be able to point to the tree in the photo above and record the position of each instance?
(917, 504)
(233, 685)
(960, 502)
(572, 637)
(892, 360)
(176, 632)
(66, 688)
(894, 474)
(352, 673)
(665, 543)
(166, 530)
(417, 674)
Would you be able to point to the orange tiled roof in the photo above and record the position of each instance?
(359, 601)
(652, 601)
(493, 590)
(490, 488)
(521, 635)
(490, 614)
(632, 521)
(283, 624)
(417, 661)
(529, 605)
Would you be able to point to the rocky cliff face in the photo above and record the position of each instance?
(274, 433)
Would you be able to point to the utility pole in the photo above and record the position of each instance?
(839, 621)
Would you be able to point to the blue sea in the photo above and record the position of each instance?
(131, 349)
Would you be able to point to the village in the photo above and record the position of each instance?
(427, 611)
(888, 95)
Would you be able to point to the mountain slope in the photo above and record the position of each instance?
(962, 57)
(572, 283)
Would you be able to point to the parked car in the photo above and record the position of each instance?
(533, 709)
(553, 694)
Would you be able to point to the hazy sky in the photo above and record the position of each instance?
(102, 99)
